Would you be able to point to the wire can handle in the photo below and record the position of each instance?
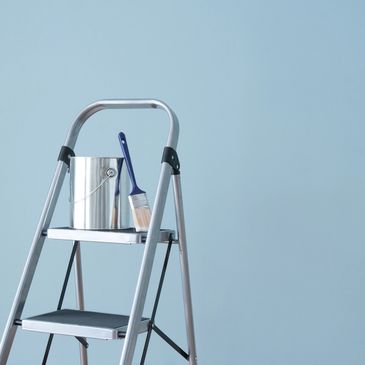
(110, 173)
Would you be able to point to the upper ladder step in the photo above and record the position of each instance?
(126, 236)
(82, 324)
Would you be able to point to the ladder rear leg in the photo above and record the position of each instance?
(80, 299)
(188, 308)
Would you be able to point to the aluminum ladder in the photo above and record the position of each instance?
(83, 324)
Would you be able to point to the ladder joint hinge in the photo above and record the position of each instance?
(170, 156)
(65, 154)
(151, 325)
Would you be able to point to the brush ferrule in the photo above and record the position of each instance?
(138, 200)
(140, 211)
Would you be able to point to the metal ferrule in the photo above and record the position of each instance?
(138, 200)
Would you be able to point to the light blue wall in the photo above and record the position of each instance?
(270, 96)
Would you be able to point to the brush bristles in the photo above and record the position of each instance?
(140, 211)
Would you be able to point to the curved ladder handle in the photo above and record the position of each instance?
(124, 104)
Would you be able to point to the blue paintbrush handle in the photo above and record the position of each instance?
(128, 161)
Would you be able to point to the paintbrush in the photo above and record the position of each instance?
(137, 198)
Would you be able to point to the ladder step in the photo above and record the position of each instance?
(126, 236)
(82, 324)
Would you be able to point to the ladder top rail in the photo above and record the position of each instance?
(99, 105)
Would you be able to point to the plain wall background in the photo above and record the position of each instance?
(270, 97)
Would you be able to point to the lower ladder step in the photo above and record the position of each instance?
(82, 324)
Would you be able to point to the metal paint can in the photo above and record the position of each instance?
(98, 193)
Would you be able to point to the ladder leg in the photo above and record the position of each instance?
(80, 298)
(62, 297)
(31, 263)
(146, 266)
(188, 308)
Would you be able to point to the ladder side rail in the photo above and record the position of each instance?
(31, 263)
(184, 264)
(150, 246)
(146, 266)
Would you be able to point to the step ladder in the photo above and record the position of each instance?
(84, 324)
